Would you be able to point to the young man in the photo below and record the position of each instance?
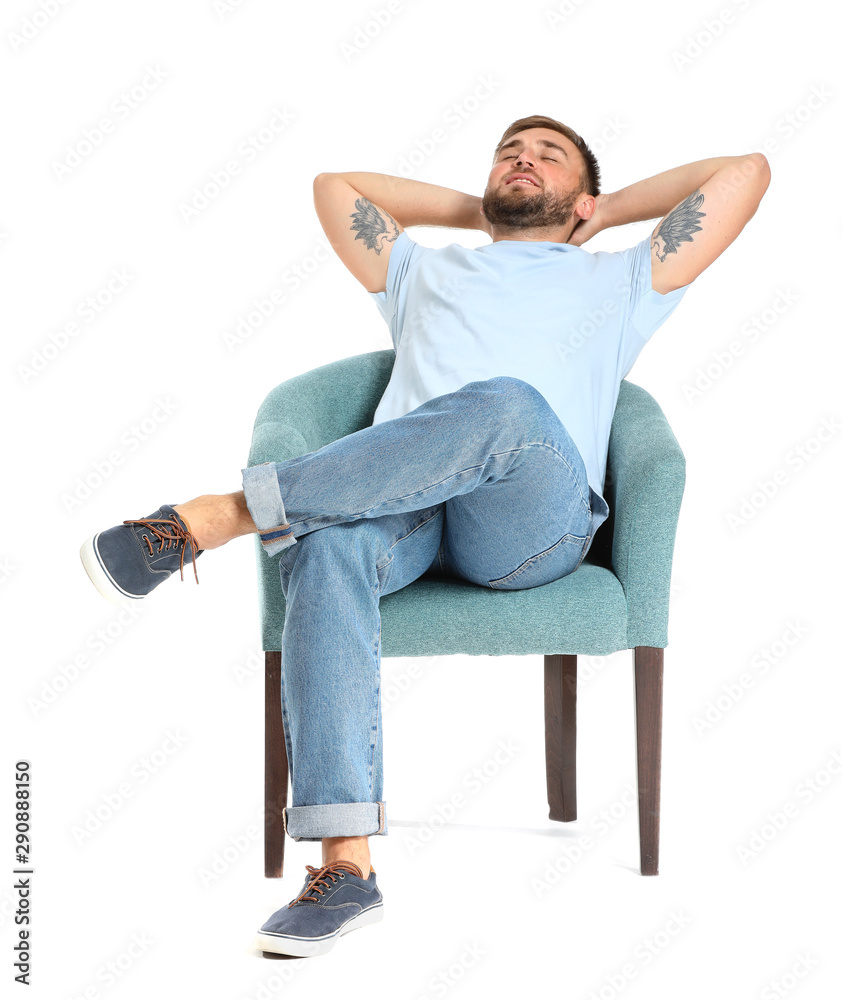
(486, 457)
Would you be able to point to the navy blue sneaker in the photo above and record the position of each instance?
(335, 899)
(127, 562)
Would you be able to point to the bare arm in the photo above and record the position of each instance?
(708, 201)
(707, 222)
(655, 196)
(416, 203)
(648, 199)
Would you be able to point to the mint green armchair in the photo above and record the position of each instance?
(617, 599)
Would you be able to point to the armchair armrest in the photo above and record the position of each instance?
(309, 411)
(302, 415)
(644, 486)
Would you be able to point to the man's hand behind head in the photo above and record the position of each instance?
(586, 228)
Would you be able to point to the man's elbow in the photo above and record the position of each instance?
(747, 177)
(760, 170)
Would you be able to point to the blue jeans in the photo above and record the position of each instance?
(484, 484)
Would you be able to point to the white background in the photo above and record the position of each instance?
(628, 77)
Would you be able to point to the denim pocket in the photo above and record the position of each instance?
(557, 561)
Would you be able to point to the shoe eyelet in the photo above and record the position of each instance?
(342, 876)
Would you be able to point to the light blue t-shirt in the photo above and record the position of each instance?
(567, 321)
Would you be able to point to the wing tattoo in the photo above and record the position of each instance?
(678, 225)
(372, 227)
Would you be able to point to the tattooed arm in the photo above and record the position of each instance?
(416, 203)
(705, 206)
(363, 214)
(707, 222)
(654, 197)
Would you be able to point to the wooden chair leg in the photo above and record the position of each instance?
(276, 772)
(648, 709)
(560, 735)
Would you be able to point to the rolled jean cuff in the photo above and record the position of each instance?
(343, 819)
(263, 499)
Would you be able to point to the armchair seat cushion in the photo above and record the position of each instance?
(582, 613)
(438, 616)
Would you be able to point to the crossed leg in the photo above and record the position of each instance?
(512, 510)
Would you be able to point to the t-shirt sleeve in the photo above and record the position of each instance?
(405, 251)
(647, 309)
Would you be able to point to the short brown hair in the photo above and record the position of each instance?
(590, 177)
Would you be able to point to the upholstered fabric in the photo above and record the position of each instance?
(617, 599)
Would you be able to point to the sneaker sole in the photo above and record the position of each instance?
(303, 947)
(101, 578)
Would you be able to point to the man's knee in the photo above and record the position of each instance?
(512, 398)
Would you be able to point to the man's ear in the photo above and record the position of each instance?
(586, 207)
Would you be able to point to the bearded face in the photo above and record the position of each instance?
(521, 206)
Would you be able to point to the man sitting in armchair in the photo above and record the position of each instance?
(486, 456)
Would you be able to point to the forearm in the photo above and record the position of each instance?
(654, 197)
(416, 203)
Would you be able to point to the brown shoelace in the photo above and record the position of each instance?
(176, 534)
(325, 875)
